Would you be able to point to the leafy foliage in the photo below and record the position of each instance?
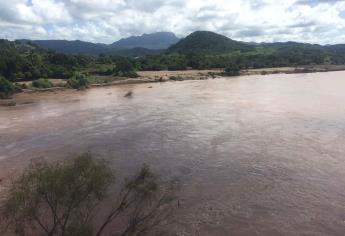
(64, 198)
(124, 67)
(117, 66)
(78, 81)
(232, 70)
(25, 61)
(6, 88)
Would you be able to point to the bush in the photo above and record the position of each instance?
(42, 83)
(124, 67)
(7, 89)
(131, 74)
(19, 87)
(232, 70)
(62, 199)
(78, 81)
(105, 71)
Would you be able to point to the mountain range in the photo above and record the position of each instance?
(155, 41)
(131, 46)
(204, 42)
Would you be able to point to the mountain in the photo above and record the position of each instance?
(209, 43)
(147, 44)
(70, 47)
(292, 45)
(159, 40)
(338, 48)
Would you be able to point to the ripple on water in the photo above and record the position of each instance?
(251, 156)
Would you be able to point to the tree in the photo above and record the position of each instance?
(64, 199)
(232, 70)
(6, 88)
(124, 67)
(78, 81)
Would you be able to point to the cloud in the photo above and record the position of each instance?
(316, 2)
(315, 21)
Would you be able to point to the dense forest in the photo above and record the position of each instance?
(26, 61)
(21, 61)
(205, 50)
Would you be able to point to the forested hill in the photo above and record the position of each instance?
(207, 42)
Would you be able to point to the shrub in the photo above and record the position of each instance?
(62, 199)
(131, 74)
(42, 83)
(78, 81)
(19, 87)
(124, 67)
(7, 89)
(232, 70)
(105, 71)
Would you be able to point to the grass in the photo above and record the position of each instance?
(42, 83)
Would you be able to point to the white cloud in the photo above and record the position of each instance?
(315, 21)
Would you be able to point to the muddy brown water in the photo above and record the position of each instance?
(255, 155)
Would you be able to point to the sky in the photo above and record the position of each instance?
(106, 21)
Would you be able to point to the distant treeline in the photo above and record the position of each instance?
(26, 61)
(21, 61)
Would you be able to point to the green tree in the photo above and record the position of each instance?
(64, 198)
(124, 67)
(6, 88)
(232, 70)
(78, 81)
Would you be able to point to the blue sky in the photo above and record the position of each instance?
(342, 14)
(314, 21)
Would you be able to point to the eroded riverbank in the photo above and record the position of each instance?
(253, 155)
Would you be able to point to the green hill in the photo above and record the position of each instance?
(207, 42)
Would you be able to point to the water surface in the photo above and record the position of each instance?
(256, 155)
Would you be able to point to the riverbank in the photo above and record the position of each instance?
(165, 76)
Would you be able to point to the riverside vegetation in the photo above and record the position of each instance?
(25, 61)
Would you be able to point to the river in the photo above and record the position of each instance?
(254, 155)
